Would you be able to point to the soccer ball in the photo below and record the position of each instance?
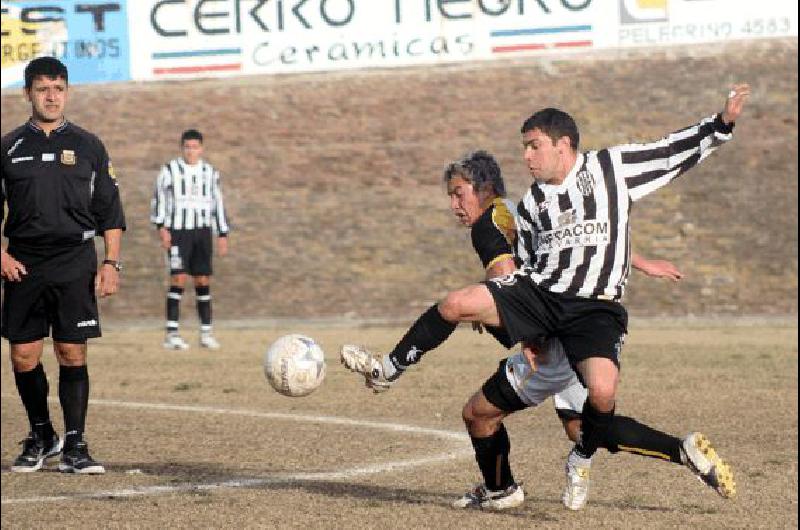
(294, 365)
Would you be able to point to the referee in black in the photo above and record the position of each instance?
(60, 192)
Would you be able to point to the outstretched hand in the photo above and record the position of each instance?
(659, 268)
(735, 102)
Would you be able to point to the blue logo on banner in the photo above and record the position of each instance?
(89, 36)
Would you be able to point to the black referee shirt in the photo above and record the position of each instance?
(59, 189)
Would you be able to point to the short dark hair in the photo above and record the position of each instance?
(191, 134)
(479, 168)
(45, 66)
(554, 123)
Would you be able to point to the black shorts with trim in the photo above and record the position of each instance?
(57, 293)
(587, 327)
(501, 336)
(498, 391)
(191, 252)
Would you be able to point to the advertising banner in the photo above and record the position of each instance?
(104, 40)
(645, 23)
(90, 37)
(176, 38)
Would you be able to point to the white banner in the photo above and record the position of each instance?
(219, 37)
(197, 38)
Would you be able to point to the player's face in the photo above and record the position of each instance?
(48, 97)
(465, 202)
(542, 156)
(192, 151)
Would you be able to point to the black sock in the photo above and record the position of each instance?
(492, 456)
(627, 434)
(594, 426)
(173, 308)
(428, 332)
(203, 297)
(33, 389)
(73, 392)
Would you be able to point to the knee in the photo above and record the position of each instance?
(202, 281)
(178, 280)
(602, 397)
(24, 359)
(452, 307)
(70, 354)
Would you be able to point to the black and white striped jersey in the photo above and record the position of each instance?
(188, 197)
(574, 237)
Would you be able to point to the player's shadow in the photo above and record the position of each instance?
(195, 475)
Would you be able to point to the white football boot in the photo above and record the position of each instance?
(358, 359)
(577, 488)
(480, 497)
(173, 341)
(207, 340)
(709, 468)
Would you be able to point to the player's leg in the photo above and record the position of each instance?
(177, 257)
(694, 451)
(483, 417)
(592, 334)
(473, 303)
(201, 269)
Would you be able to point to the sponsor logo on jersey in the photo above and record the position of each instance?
(68, 157)
(21, 159)
(86, 323)
(585, 234)
(48, 157)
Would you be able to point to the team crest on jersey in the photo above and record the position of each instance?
(68, 157)
(585, 182)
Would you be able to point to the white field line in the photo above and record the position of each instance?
(460, 452)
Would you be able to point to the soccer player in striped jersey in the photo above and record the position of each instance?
(476, 189)
(187, 207)
(574, 248)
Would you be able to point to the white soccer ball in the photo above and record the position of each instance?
(294, 365)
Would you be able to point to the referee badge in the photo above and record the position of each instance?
(585, 182)
(68, 157)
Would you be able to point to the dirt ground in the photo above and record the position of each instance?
(198, 439)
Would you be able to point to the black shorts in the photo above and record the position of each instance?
(191, 252)
(587, 327)
(501, 336)
(58, 293)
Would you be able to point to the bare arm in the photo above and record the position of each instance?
(108, 278)
(656, 268)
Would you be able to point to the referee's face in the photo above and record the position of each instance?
(192, 151)
(48, 97)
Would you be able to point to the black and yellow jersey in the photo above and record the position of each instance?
(494, 233)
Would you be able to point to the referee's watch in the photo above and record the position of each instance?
(114, 263)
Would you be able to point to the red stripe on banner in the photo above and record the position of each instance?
(197, 69)
(518, 48)
(574, 44)
(529, 47)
